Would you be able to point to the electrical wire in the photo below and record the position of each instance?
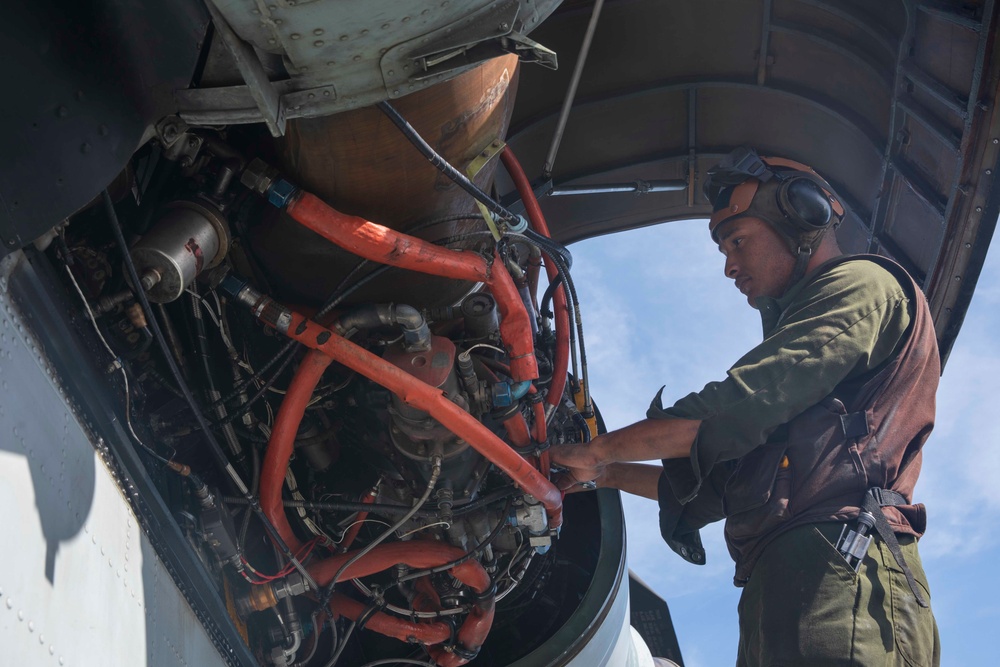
(444, 166)
(343, 645)
(116, 362)
(446, 524)
(435, 474)
(355, 523)
(213, 445)
(315, 644)
(380, 508)
(472, 554)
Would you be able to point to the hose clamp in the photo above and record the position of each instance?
(488, 594)
(462, 652)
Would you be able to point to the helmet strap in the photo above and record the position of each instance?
(802, 257)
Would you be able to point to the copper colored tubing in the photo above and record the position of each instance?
(384, 245)
(433, 401)
(282, 442)
(560, 364)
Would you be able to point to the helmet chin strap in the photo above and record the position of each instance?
(802, 258)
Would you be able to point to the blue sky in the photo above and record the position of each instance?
(658, 311)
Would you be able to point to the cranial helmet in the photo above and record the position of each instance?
(788, 195)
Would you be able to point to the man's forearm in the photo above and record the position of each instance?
(648, 440)
(639, 479)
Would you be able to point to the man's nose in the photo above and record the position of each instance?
(731, 268)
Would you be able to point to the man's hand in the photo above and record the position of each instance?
(610, 459)
(584, 468)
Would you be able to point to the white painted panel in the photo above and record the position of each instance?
(79, 582)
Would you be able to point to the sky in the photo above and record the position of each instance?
(658, 311)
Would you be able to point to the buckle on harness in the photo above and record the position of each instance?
(853, 544)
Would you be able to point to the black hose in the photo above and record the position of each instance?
(547, 297)
(581, 423)
(163, 173)
(553, 247)
(444, 166)
(213, 445)
(201, 338)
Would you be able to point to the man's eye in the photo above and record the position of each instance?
(738, 242)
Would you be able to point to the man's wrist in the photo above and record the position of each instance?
(600, 453)
(609, 478)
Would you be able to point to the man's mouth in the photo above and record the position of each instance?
(741, 283)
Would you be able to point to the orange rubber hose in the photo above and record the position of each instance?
(387, 246)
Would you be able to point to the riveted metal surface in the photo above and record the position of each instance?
(80, 583)
(347, 55)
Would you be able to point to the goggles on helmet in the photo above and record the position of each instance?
(787, 194)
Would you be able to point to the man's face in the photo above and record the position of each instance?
(757, 258)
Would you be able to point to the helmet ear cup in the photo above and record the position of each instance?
(804, 203)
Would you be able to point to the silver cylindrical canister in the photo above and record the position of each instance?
(189, 237)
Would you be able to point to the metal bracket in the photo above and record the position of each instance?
(474, 168)
(264, 93)
(491, 22)
(178, 143)
(530, 51)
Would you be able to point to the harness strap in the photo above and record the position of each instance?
(875, 500)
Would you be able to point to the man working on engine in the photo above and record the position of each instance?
(810, 444)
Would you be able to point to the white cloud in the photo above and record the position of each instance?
(962, 458)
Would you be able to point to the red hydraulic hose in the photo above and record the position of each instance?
(421, 396)
(539, 430)
(471, 635)
(402, 629)
(419, 555)
(387, 246)
(517, 430)
(282, 442)
(517, 427)
(352, 532)
(560, 364)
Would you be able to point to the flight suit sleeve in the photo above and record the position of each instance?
(680, 524)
